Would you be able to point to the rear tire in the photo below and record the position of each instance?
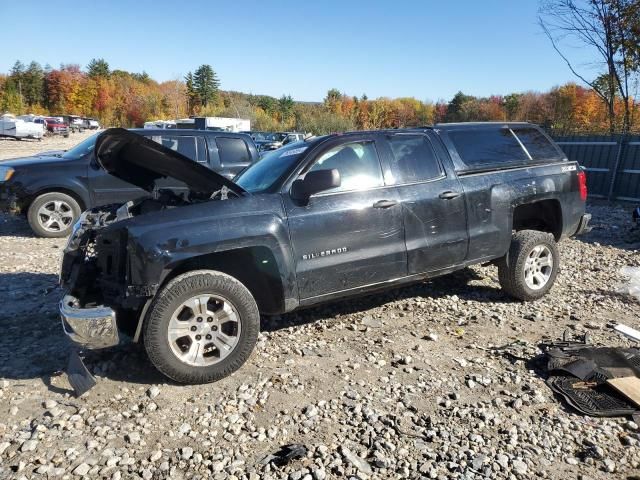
(530, 267)
(52, 215)
(201, 327)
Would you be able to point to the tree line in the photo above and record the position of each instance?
(127, 99)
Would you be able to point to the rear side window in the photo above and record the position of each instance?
(233, 151)
(487, 147)
(191, 147)
(538, 146)
(413, 159)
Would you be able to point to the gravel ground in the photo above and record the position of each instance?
(405, 384)
(10, 148)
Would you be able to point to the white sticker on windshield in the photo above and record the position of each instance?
(293, 151)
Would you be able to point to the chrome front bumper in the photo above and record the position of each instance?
(91, 328)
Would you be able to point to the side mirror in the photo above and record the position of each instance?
(315, 182)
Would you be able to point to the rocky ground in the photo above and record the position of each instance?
(10, 148)
(405, 384)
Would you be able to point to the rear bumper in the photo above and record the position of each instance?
(583, 226)
(90, 328)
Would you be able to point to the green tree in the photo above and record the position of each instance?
(268, 104)
(206, 84)
(511, 105)
(192, 95)
(285, 107)
(457, 108)
(33, 85)
(141, 77)
(98, 67)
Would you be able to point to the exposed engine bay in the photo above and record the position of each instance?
(95, 267)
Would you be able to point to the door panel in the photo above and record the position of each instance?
(352, 235)
(433, 202)
(341, 241)
(435, 228)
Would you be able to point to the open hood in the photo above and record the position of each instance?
(141, 161)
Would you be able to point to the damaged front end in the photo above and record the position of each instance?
(91, 275)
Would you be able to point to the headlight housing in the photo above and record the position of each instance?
(6, 173)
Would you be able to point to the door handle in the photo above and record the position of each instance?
(384, 203)
(448, 195)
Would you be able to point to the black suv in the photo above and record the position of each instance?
(52, 190)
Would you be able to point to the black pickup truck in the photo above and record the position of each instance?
(53, 188)
(322, 219)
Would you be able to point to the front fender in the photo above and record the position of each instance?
(26, 189)
(154, 251)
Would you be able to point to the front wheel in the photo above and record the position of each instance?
(202, 326)
(530, 267)
(53, 214)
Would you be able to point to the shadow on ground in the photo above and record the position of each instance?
(15, 226)
(456, 283)
(33, 344)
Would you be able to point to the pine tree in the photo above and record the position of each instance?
(98, 67)
(192, 95)
(33, 85)
(206, 84)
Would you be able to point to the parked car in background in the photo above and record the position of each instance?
(52, 190)
(74, 122)
(17, 128)
(90, 124)
(56, 126)
(328, 218)
(267, 141)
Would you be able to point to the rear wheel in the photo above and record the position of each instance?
(530, 267)
(201, 327)
(53, 214)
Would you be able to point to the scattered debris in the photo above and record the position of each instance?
(286, 454)
(582, 375)
(628, 331)
(632, 286)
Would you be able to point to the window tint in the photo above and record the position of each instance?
(357, 163)
(487, 146)
(538, 146)
(184, 145)
(413, 159)
(232, 151)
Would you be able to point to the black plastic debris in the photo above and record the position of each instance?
(79, 377)
(285, 454)
(578, 372)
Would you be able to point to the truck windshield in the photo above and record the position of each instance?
(263, 175)
(82, 149)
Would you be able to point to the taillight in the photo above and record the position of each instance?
(582, 185)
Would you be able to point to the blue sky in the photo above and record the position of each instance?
(424, 49)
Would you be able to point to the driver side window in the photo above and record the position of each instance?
(357, 163)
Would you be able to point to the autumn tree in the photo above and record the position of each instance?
(608, 28)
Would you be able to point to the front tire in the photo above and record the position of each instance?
(202, 327)
(530, 267)
(52, 215)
